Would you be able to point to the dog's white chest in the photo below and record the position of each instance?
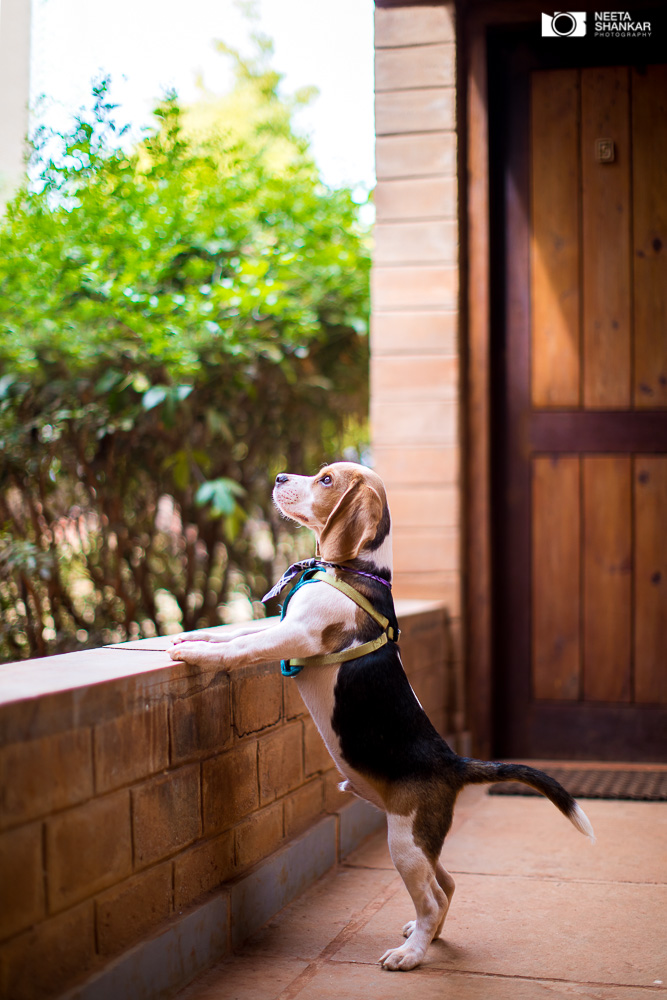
(316, 687)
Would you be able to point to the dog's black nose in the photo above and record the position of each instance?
(281, 478)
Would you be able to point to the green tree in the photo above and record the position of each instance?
(178, 323)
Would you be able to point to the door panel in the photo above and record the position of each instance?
(650, 494)
(605, 253)
(649, 146)
(581, 460)
(607, 578)
(554, 248)
(556, 653)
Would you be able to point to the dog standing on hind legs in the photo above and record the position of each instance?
(338, 638)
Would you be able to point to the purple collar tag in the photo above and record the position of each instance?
(361, 572)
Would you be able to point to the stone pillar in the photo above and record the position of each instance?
(415, 287)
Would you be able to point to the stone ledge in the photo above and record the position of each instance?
(57, 693)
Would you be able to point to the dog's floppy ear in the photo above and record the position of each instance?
(352, 523)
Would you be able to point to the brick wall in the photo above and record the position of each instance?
(415, 387)
(131, 787)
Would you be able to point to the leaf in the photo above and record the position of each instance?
(109, 380)
(155, 395)
(218, 426)
(179, 463)
(234, 523)
(221, 494)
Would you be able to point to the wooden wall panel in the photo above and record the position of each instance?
(555, 572)
(649, 137)
(606, 238)
(651, 579)
(607, 566)
(554, 244)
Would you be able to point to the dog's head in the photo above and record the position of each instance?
(345, 505)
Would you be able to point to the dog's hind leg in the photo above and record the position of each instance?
(447, 884)
(420, 876)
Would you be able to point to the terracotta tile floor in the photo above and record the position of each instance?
(539, 913)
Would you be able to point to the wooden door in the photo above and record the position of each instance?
(581, 461)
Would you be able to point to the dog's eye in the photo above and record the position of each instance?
(326, 481)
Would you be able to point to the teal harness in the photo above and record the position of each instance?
(290, 668)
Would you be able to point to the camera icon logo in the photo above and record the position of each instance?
(564, 24)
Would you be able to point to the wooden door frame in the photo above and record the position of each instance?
(473, 23)
(477, 395)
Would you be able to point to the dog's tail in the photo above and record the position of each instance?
(480, 772)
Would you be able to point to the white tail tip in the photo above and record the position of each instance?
(579, 819)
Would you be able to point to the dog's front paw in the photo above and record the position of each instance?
(201, 653)
(403, 958)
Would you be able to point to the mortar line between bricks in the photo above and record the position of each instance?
(418, 87)
(432, 175)
(410, 220)
(93, 762)
(353, 927)
(132, 844)
(45, 874)
(424, 131)
(201, 802)
(435, 262)
(414, 45)
(170, 732)
(434, 88)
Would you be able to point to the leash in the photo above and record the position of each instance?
(313, 574)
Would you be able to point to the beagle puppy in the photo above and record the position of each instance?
(359, 697)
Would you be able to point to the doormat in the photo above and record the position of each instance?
(596, 783)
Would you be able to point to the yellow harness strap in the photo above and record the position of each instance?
(388, 632)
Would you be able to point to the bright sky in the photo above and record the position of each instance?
(148, 46)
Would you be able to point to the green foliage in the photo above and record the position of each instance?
(178, 323)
